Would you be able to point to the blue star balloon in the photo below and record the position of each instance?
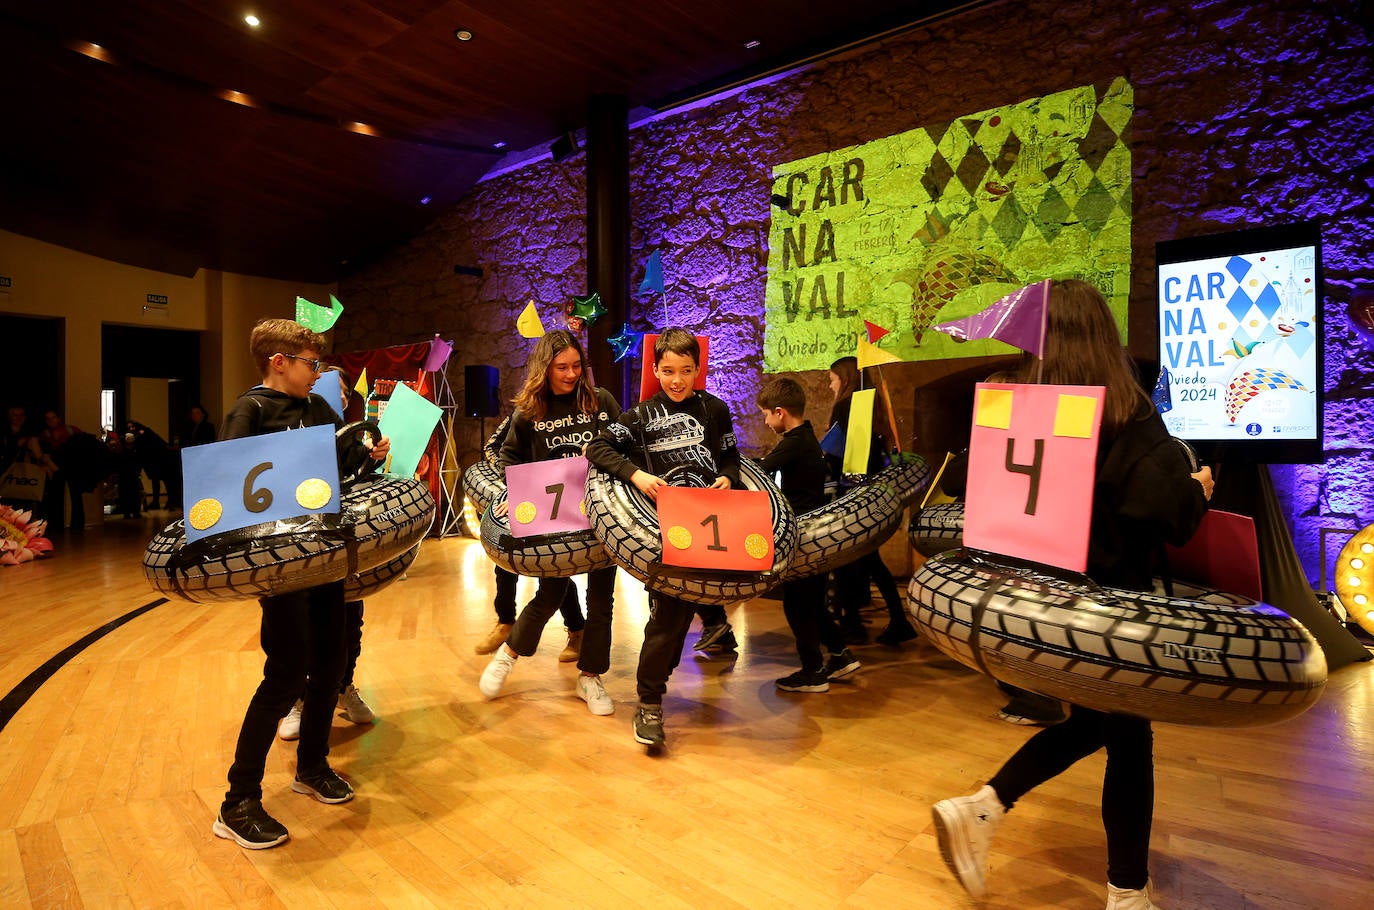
(589, 309)
(623, 343)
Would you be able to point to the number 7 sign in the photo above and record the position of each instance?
(547, 497)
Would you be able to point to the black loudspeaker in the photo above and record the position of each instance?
(480, 389)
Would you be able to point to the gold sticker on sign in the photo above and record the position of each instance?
(205, 514)
(756, 545)
(526, 512)
(582, 507)
(314, 493)
(679, 537)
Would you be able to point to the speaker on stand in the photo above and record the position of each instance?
(481, 388)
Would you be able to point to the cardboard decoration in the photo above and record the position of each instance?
(716, 529)
(1223, 553)
(330, 386)
(859, 434)
(1032, 462)
(242, 482)
(547, 497)
(648, 382)
(409, 421)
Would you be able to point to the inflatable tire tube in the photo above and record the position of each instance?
(937, 528)
(483, 482)
(1210, 659)
(560, 555)
(626, 523)
(379, 518)
(908, 479)
(845, 529)
(366, 583)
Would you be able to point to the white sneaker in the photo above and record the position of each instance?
(353, 708)
(290, 726)
(494, 676)
(964, 826)
(1129, 898)
(590, 690)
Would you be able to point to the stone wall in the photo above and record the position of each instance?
(1246, 114)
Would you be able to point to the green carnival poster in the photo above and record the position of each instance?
(938, 222)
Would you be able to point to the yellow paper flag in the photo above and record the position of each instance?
(361, 385)
(860, 436)
(528, 324)
(870, 355)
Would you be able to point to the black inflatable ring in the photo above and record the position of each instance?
(560, 555)
(1209, 659)
(483, 482)
(937, 528)
(626, 522)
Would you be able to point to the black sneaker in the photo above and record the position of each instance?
(247, 824)
(324, 785)
(804, 681)
(895, 634)
(649, 725)
(713, 636)
(841, 665)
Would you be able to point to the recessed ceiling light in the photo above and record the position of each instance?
(498, 145)
(426, 200)
(750, 45)
(462, 34)
(252, 20)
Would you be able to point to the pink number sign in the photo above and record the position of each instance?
(547, 497)
(1032, 460)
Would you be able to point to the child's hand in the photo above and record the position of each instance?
(721, 483)
(501, 508)
(381, 449)
(647, 483)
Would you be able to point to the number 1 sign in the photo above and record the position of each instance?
(547, 497)
(716, 529)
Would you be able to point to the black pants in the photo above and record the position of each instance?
(353, 640)
(552, 594)
(664, 633)
(803, 603)
(504, 604)
(304, 639)
(711, 614)
(1128, 787)
(852, 591)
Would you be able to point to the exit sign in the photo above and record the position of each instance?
(158, 299)
(4, 281)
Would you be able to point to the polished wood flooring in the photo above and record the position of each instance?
(111, 772)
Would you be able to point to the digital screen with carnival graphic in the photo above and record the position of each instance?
(1240, 343)
(936, 223)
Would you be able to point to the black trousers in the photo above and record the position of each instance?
(664, 634)
(552, 594)
(803, 603)
(504, 603)
(852, 592)
(304, 639)
(353, 640)
(1128, 787)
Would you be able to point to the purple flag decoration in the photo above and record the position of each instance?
(653, 275)
(1163, 395)
(1017, 319)
(438, 354)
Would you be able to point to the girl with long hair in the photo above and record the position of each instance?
(1143, 496)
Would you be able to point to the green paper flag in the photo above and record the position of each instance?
(315, 317)
(409, 419)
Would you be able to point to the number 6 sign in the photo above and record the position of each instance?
(547, 497)
(716, 529)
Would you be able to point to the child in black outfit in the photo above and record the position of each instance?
(677, 434)
(799, 457)
(303, 633)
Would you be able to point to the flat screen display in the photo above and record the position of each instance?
(1240, 338)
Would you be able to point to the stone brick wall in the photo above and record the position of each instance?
(1246, 114)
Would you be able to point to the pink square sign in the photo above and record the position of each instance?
(1032, 460)
(547, 497)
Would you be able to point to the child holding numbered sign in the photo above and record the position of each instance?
(675, 434)
(558, 411)
(303, 634)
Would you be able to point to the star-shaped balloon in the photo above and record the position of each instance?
(589, 309)
(623, 343)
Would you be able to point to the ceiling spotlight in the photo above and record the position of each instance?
(252, 20)
(750, 45)
(425, 201)
(462, 34)
(498, 145)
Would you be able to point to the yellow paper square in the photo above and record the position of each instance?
(1073, 416)
(993, 409)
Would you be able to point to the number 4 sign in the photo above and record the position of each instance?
(1032, 460)
(547, 497)
(716, 529)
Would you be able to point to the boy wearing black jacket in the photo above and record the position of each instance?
(303, 633)
(678, 434)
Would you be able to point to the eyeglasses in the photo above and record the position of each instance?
(316, 365)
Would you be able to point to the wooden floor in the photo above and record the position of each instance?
(111, 772)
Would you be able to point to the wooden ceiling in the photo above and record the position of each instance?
(121, 138)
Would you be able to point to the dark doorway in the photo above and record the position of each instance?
(34, 366)
(171, 354)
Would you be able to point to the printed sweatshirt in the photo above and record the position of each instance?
(562, 432)
(686, 443)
